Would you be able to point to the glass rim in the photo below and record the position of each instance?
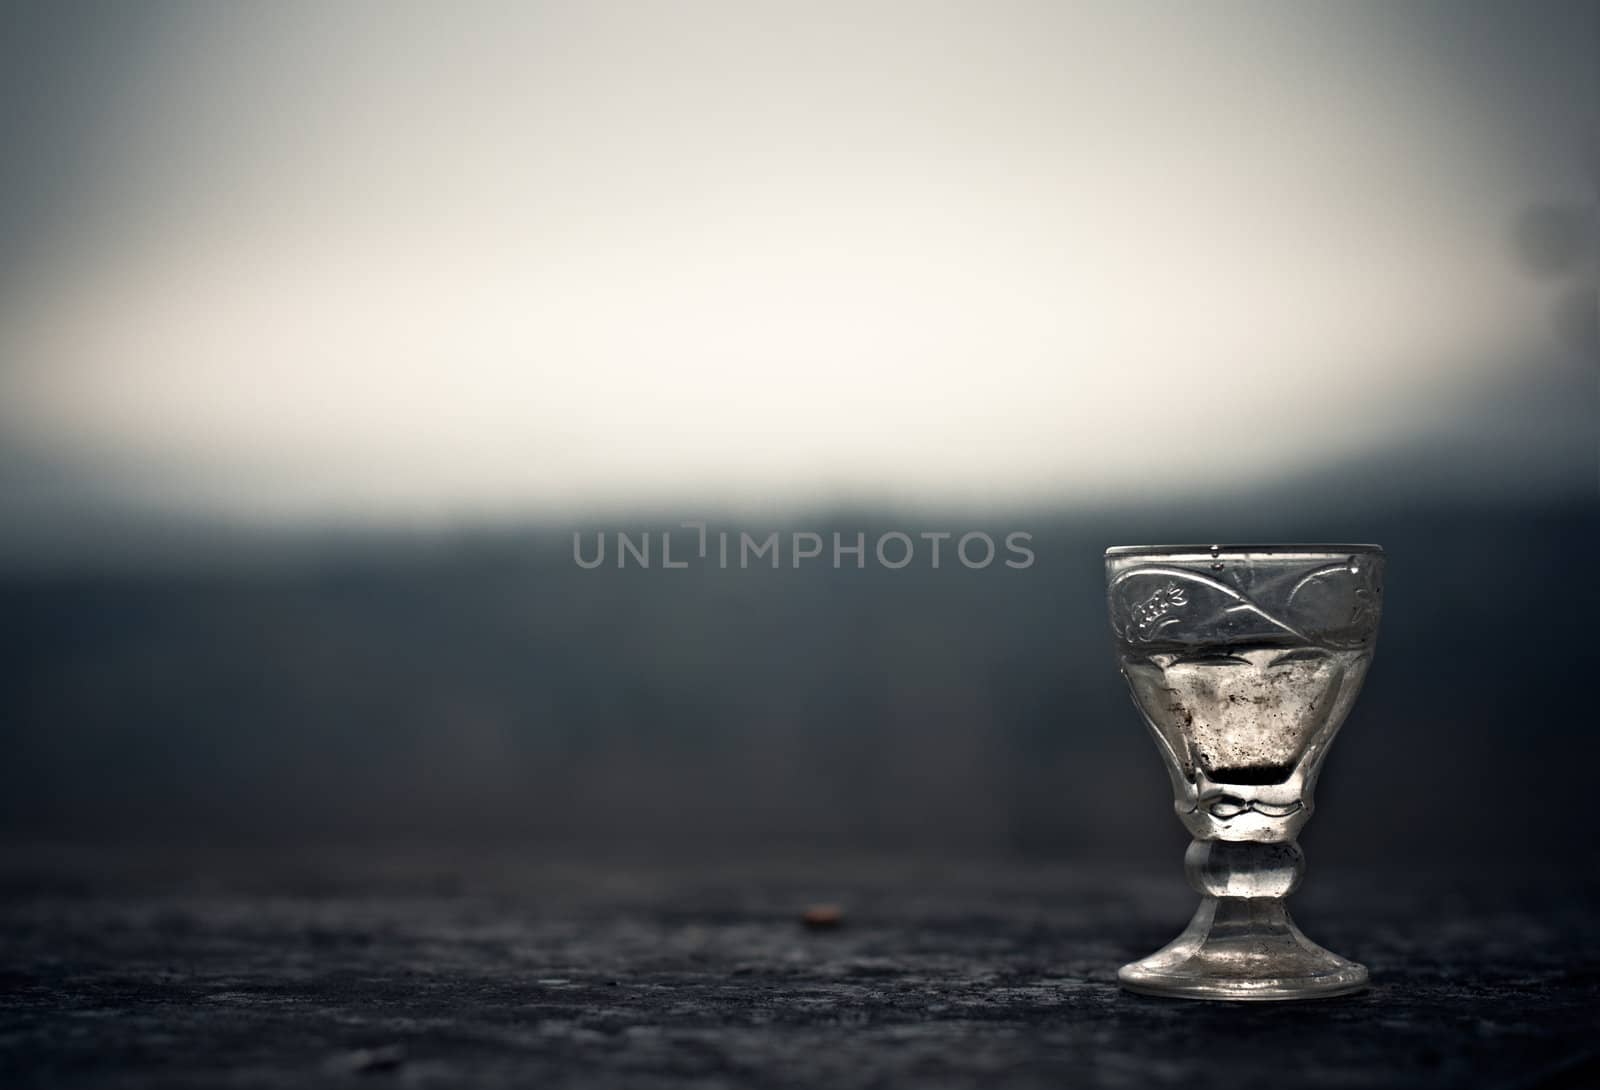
(1280, 549)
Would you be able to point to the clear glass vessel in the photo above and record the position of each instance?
(1244, 660)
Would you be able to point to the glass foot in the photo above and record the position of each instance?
(1243, 948)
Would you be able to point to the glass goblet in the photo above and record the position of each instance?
(1244, 660)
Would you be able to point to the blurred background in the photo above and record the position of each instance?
(324, 328)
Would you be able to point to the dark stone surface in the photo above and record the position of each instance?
(488, 974)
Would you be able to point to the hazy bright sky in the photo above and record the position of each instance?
(411, 261)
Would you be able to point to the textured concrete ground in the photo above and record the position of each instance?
(483, 973)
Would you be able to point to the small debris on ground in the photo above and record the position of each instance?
(822, 917)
